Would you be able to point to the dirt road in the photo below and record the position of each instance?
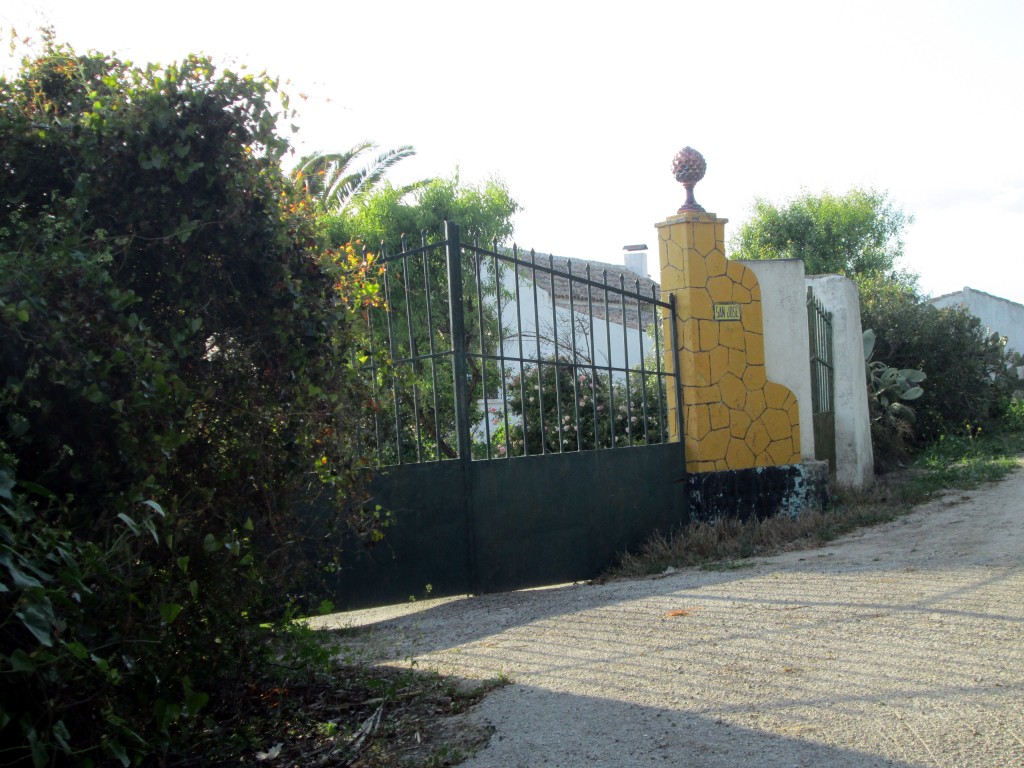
(900, 645)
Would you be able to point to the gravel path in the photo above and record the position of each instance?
(900, 645)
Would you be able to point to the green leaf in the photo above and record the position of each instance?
(37, 489)
(124, 299)
(39, 757)
(21, 579)
(912, 394)
(166, 713)
(117, 751)
(6, 485)
(185, 229)
(38, 623)
(94, 394)
(210, 544)
(151, 527)
(62, 736)
(169, 612)
(182, 563)
(869, 343)
(155, 507)
(195, 701)
(21, 661)
(132, 525)
(77, 650)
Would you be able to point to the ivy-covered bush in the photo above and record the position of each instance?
(174, 362)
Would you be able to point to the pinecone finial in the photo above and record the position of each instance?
(689, 167)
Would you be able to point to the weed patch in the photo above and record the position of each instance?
(340, 714)
(956, 462)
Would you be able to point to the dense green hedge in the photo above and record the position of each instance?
(970, 374)
(174, 353)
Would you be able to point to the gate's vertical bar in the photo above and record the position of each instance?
(575, 369)
(592, 343)
(643, 369)
(414, 362)
(393, 351)
(453, 247)
(612, 413)
(457, 315)
(679, 374)
(373, 367)
(558, 354)
(502, 372)
(830, 370)
(659, 368)
(478, 264)
(430, 340)
(540, 364)
(625, 357)
(519, 334)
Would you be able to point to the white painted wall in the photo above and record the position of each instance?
(855, 463)
(786, 343)
(1001, 316)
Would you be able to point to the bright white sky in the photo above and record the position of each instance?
(580, 109)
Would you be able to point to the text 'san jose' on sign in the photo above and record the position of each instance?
(727, 311)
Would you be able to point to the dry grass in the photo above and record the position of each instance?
(725, 543)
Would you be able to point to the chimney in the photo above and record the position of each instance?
(634, 257)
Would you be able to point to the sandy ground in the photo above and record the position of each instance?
(900, 645)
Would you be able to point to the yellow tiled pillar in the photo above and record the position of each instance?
(733, 417)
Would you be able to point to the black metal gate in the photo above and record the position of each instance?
(819, 324)
(519, 428)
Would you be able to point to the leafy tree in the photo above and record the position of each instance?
(483, 212)
(415, 399)
(175, 350)
(859, 233)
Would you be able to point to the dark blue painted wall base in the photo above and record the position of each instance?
(757, 493)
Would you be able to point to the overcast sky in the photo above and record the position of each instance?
(580, 109)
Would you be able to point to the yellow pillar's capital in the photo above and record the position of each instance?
(688, 217)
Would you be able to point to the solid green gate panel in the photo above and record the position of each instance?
(428, 542)
(551, 519)
(511, 524)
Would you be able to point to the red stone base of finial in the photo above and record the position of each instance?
(691, 203)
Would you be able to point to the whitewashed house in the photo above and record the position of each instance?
(999, 315)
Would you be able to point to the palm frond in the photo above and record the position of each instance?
(359, 184)
(329, 180)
